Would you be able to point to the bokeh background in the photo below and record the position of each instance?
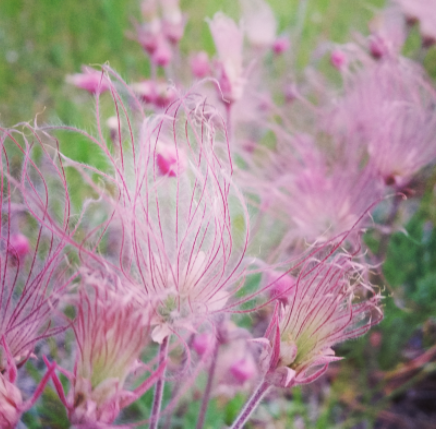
(388, 379)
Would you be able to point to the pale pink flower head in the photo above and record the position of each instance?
(391, 107)
(111, 330)
(259, 23)
(91, 80)
(157, 93)
(318, 195)
(330, 304)
(171, 203)
(228, 38)
(33, 235)
(423, 11)
(388, 33)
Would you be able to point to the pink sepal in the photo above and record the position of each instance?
(141, 389)
(30, 402)
(58, 385)
(12, 368)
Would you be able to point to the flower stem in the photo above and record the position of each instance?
(251, 405)
(207, 391)
(158, 392)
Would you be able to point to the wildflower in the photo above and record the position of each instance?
(32, 274)
(423, 11)
(395, 117)
(172, 20)
(280, 45)
(200, 64)
(259, 23)
(111, 331)
(329, 304)
(228, 38)
(149, 32)
(172, 205)
(338, 59)
(90, 80)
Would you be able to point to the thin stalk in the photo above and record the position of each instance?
(158, 392)
(251, 405)
(208, 390)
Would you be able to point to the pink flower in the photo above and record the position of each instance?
(228, 38)
(281, 44)
(423, 11)
(389, 107)
(200, 64)
(330, 304)
(91, 80)
(259, 23)
(111, 330)
(338, 59)
(172, 20)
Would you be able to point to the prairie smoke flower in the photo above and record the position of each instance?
(259, 23)
(111, 331)
(32, 273)
(157, 93)
(423, 11)
(390, 107)
(90, 80)
(328, 304)
(316, 196)
(228, 38)
(171, 201)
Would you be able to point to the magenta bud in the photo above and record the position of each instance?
(202, 343)
(243, 370)
(200, 64)
(378, 47)
(280, 45)
(19, 245)
(162, 54)
(338, 59)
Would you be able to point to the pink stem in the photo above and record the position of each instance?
(206, 396)
(251, 405)
(158, 392)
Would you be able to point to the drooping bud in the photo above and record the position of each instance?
(93, 81)
(280, 45)
(200, 66)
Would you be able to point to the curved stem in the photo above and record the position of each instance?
(206, 396)
(251, 405)
(158, 392)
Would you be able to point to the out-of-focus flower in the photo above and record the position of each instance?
(200, 64)
(259, 23)
(91, 80)
(338, 59)
(329, 304)
(172, 20)
(423, 11)
(390, 108)
(106, 354)
(281, 44)
(388, 33)
(171, 206)
(228, 38)
(149, 32)
(33, 275)
(158, 93)
(162, 54)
